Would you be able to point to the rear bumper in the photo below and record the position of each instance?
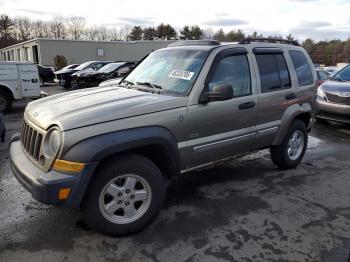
(45, 186)
(332, 111)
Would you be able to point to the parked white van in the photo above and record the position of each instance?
(18, 80)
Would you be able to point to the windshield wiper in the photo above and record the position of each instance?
(127, 83)
(154, 86)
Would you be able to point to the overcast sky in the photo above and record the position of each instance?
(318, 19)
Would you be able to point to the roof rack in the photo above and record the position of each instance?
(195, 42)
(248, 40)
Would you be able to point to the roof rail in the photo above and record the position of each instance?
(248, 40)
(195, 42)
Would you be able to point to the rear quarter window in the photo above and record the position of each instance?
(302, 68)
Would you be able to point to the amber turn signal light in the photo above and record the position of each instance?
(68, 166)
(63, 193)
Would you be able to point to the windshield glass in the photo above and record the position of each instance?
(83, 66)
(69, 67)
(343, 75)
(172, 70)
(110, 67)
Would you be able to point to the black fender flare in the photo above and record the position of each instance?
(97, 148)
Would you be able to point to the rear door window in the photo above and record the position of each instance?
(302, 68)
(273, 71)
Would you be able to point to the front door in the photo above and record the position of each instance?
(220, 129)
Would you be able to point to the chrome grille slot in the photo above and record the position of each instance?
(338, 99)
(37, 146)
(32, 142)
(31, 139)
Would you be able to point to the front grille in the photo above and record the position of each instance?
(338, 99)
(31, 140)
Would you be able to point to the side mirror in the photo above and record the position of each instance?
(219, 93)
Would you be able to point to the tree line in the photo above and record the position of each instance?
(16, 30)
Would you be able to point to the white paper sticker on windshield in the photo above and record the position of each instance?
(185, 75)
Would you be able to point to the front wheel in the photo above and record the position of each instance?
(124, 196)
(5, 101)
(292, 150)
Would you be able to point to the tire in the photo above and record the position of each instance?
(41, 80)
(68, 84)
(289, 154)
(5, 101)
(101, 194)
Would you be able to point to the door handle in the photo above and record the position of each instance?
(246, 105)
(291, 96)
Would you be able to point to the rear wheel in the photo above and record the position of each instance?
(124, 196)
(289, 154)
(5, 101)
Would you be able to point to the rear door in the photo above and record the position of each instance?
(220, 129)
(305, 75)
(29, 80)
(276, 93)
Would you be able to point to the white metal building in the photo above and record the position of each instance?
(43, 51)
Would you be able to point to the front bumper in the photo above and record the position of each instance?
(332, 111)
(45, 186)
(62, 82)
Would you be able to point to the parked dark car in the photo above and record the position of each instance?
(93, 78)
(322, 76)
(64, 75)
(46, 74)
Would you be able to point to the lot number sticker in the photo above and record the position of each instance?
(185, 75)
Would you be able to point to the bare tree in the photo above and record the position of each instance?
(92, 33)
(208, 33)
(125, 31)
(102, 33)
(22, 28)
(115, 34)
(58, 28)
(76, 26)
(37, 29)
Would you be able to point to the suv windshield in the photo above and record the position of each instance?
(110, 67)
(174, 70)
(343, 75)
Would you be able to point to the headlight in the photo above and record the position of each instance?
(52, 142)
(320, 92)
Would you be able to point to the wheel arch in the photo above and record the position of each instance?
(156, 143)
(301, 112)
(7, 89)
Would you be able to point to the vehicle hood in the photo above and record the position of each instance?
(91, 106)
(66, 71)
(110, 82)
(335, 87)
